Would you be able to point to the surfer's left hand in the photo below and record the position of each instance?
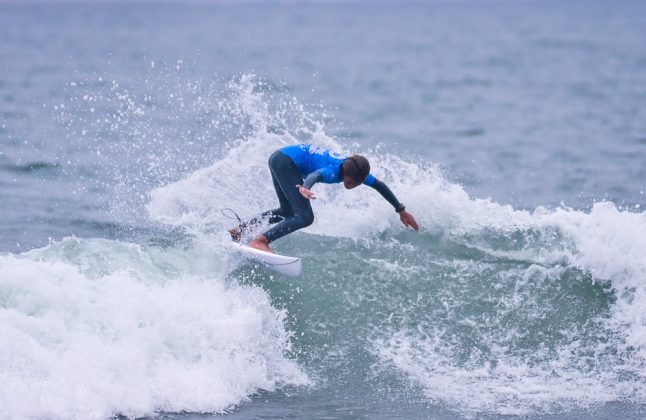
(408, 219)
(305, 192)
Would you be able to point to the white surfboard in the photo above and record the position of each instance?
(289, 266)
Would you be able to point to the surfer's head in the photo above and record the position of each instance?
(355, 169)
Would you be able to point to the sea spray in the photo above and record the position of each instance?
(530, 311)
(489, 309)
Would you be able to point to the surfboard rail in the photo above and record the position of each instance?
(288, 266)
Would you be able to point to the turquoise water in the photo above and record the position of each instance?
(514, 132)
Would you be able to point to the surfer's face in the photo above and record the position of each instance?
(350, 183)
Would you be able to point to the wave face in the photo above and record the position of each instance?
(488, 310)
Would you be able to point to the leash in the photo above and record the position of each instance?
(226, 209)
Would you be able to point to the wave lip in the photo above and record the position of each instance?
(94, 328)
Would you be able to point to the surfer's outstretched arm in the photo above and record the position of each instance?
(405, 217)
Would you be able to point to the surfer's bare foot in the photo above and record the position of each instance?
(235, 233)
(261, 243)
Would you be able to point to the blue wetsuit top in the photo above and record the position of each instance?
(309, 158)
(318, 164)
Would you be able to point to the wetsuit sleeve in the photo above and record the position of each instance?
(370, 180)
(312, 179)
(386, 193)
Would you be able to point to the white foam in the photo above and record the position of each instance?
(512, 385)
(605, 242)
(611, 245)
(92, 328)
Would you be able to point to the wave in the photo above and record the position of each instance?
(487, 309)
(92, 328)
(601, 248)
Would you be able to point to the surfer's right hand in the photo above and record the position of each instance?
(305, 192)
(408, 219)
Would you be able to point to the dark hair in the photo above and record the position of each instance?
(356, 167)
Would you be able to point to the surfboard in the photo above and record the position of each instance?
(288, 266)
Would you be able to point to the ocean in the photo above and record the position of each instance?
(514, 132)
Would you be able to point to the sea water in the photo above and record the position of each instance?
(514, 132)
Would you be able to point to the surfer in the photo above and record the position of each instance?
(294, 170)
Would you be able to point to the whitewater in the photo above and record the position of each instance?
(512, 131)
(488, 309)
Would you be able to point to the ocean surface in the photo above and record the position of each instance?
(514, 131)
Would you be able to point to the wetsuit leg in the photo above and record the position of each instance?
(272, 216)
(285, 210)
(296, 209)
